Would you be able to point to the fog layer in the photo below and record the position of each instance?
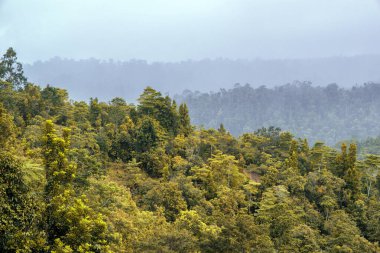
(172, 30)
(94, 78)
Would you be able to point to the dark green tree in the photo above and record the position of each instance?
(20, 211)
(352, 176)
(154, 105)
(184, 120)
(148, 135)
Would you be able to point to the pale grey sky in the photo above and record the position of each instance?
(174, 30)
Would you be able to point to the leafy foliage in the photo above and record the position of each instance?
(115, 177)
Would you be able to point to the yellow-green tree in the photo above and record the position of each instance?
(7, 128)
(71, 225)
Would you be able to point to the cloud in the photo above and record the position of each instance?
(172, 30)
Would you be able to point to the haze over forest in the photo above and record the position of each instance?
(108, 79)
(106, 50)
(255, 42)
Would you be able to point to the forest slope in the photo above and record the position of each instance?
(329, 114)
(117, 177)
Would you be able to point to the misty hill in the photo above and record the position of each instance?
(107, 79)
(329, 114)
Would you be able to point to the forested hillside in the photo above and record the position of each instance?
(115, 177)
(329, 114)
(106, 79)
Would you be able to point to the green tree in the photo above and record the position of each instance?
(30, 102)
(117, 111)
(123, 143)
(222, 171)
(277, 210)
(184, 120)
(55, 103)
(324, 188)
(317, 156)
(95, 112)
(20, 211)
(166, 195)
(148, 135)
(302, 239)
(81, 115)
(7, 128)
(10, 70)
(154, 105)
(291, 176)
(221, 129)
(345, 161)
(70, 223)
(206, 234)
(370, 168)
(344, 236)
(352, 177)
(373, 220)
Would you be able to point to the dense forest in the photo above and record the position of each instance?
(107, 79)
(116, 177)
(329, 114)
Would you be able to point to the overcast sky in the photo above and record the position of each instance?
(174, 30)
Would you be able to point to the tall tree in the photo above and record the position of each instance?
(11, 70)
(184, 120)
(352, 176)
(371, 168)
(71, 224)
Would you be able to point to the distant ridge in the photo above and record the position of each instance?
(329, 114)
(107, 79)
